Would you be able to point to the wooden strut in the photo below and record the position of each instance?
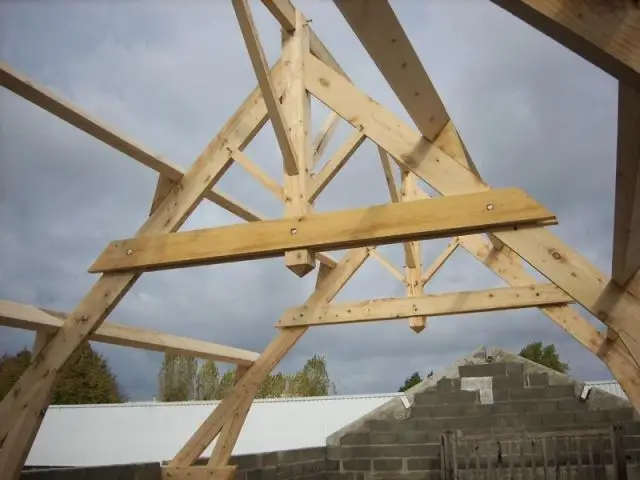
(434, 154)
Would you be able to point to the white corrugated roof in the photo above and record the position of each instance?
(609, 386)
(88, 435)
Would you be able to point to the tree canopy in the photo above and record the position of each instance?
(182, 379)
(85, 379)
(546, 355)
(414, 379)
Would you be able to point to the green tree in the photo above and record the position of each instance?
(11, 368)
(273, 386)
(312, 381)
(207, 381)
(546, 355)
(226, 383)
(177, 378)
(414, 379)
(181, 379)
(85, 379)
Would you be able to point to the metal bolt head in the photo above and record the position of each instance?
(294, 231)
(129, 251)
(489, 206)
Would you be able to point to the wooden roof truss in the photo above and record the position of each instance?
(499, 227)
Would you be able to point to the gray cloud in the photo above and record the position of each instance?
(532, 114)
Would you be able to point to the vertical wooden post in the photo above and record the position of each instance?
(412, 252)
(296, 106)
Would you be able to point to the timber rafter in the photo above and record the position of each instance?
(501, 228)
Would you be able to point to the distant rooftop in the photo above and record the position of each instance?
(91, 435)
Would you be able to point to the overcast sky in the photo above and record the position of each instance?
(533, 115)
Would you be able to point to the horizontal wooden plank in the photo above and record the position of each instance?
(375, 225)
(28, 317)
(507, 298)
(193, 472)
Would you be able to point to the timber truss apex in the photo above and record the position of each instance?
(499, 227)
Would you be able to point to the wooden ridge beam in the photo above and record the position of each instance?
(381, 224)
(506, 298)
(605, 33)
(28, 317)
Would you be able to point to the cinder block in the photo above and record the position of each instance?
(621, 414)
(515, 369)
(508, 408)
(269, 459)
(592, 417)
(631, 428)
(559, 391)
(448, 385)
(571, 404)
(413, 437)
(543, 406)
(442, 398)
(476, 409)
(426, 398)
(387, 464)
(343, 476)
(500, 394)
(385, 438)
(437, 411)
(262, 474)
(462, 397)
(483, 370)
(507, 381)
(383, 426)
(631, 442)
(348, 453)
(400, 451)
(558, 418)
(305, 469)
(300, 455)
(423, 463)
(331, 465)
(531, 420)
(359, 465)
(526, 393)
(355, 438)
(247, 462)
(537, 380)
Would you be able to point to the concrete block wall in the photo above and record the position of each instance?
(303, 464)
(519, 398)
(141, 471)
